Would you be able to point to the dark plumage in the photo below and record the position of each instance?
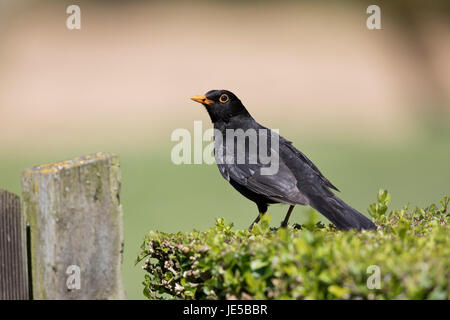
(297, 180)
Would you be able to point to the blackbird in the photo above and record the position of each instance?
(295, 180)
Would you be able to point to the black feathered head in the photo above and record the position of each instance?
(221, 105)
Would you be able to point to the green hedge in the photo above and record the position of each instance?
(410, 250)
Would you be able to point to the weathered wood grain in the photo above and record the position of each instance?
(13, 259)
(75, 217)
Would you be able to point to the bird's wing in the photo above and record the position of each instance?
(283, 142)
(305, 159)
(281, 186)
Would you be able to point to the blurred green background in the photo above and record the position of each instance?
(370, 108)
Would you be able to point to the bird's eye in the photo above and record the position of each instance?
(224, 98)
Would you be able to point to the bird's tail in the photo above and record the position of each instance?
(341, 214)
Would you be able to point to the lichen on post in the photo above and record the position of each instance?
(75, 218)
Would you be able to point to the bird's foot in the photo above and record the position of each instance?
(297, 226)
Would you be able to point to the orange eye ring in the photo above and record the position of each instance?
(224, 98)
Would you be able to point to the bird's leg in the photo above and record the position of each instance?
(256, 220)
(286, 219)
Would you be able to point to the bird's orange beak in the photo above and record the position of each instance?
(202, 100)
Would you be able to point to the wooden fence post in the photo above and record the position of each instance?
(75, 219)
(13, 249)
